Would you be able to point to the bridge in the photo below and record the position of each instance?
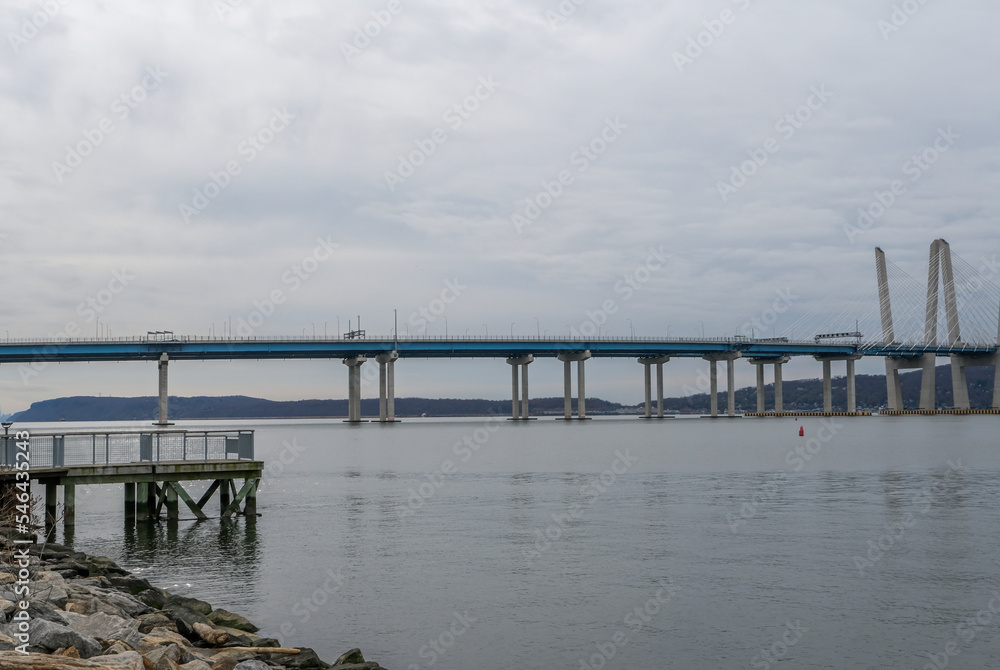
(652, 353)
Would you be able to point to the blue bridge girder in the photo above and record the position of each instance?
(194, 348)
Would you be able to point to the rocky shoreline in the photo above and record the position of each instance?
(87, 612)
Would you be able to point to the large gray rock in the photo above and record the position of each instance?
(51, 636)
(252, 665)
(221, 617)
(50, 586)
(185, 619)
(190, 603)
(306, 659)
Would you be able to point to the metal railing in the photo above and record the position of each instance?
(59, 450)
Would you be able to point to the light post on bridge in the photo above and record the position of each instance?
(537, 328)
(512, 329)
(487, 330)
(631, 330)
(702, 329)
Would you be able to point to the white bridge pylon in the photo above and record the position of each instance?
(940, 278)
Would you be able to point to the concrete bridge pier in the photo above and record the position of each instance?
(895, 394)
(730, 358)
(759, 363)
(387, 386)
(354, 387)
(828, 382)
(658, 361)
(581, 403)
(519, 414)
(162, 409)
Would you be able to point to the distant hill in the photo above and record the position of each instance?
(801, 395)
(89, 408)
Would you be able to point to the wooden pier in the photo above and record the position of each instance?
(153, 485)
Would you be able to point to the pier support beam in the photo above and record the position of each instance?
(354, 387)
(852, 402)
(141, 502)
(519, 392)
(581, 406)
(51, 505)
(730, 358)
(69, 505)
(658, 361)
(162, 407)
(129, 504)
(760, 387)
(387, 386)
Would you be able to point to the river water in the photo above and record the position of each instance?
(868, 542)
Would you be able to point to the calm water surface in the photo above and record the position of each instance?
(617, 543)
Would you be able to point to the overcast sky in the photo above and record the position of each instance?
(186, 162)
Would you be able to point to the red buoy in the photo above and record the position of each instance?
(802, 431)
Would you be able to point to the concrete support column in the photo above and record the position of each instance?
(647, 364)
(852, 403)
(130, 504)
(827, 389)
(386, 387)
(162, 412)
(515, 412)
(581, 403)
(894, 394)
(779, 404)
(519, 391)
(730, 358)
(713, 400)
(959, 384)
(928, 383)
(996, 381)
(354, 387)
(659, 390)
(648, 385)
(760, 387)
(731, 387)
(567, 390)
(524, 389)
(69, 505)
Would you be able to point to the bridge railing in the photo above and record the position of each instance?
(57, 450)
